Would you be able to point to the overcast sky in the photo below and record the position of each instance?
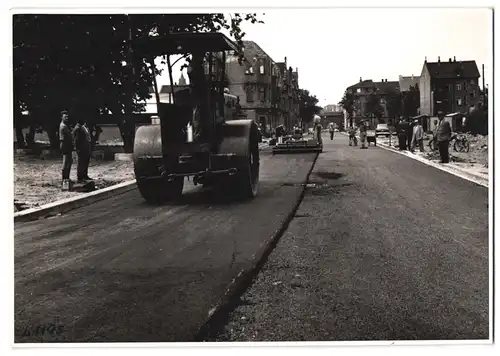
(333, 48)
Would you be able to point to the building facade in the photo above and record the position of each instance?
(451, 87)
(362, 92)
(267, 91)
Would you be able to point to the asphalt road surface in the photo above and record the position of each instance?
(383, 248)
(120, 270)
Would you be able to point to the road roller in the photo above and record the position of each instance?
(198, 135)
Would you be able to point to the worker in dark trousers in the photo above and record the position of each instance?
(66, 147)
(443, 137)
(83, 146)
(401, 129)
(409, 135)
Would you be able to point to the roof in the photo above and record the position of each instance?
(363, 84)
(385, 87)
(406, 82)
(382, 87)
(447, 70)
(183, 43)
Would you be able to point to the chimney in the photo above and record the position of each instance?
(412, 76)
(439, 59)
(454, 59)
(425, 61)
(360, 79)
(449, 60)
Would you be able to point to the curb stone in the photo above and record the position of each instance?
(65, 205)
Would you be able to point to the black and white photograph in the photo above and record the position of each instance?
(238, 176)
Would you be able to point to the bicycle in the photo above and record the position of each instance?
(460, 144)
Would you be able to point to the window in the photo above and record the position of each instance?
(262, 94)
(358, 90)
(472, 94)
(459, 87)
(262, 69)
(450, 87)
(250, 95)
(251, 70)
(472, 82)
(459, 102)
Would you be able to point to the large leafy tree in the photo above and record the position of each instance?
(373, 106)
(308, 105)
(393, 103)
(87, 67)
(411, 101)
(347, 104)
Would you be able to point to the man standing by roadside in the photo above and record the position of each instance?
(409, 134)
(362, 134)
(402, 128)
(331, 130)
(66, 147)
(418, 136)
(443, 137)
(83, 146)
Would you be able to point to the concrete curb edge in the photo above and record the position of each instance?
(65, 205)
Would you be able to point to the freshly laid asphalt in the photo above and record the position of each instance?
(382, 248)
(120, 270)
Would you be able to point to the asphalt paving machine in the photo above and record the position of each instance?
(197, 135)
(296, 142)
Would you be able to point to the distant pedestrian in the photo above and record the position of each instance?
(362, 134)
(418, 136)
(83, 146)
(443, 137)
(66, 147)
(331, 130)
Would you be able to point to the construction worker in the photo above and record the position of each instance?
(443, 137)
(197, 81)
(362, 134)
(352, 136)
(66, 146)
(83, 146)
(331, 129)
(317, 128)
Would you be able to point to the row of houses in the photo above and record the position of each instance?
(449, 86)
(268, 91)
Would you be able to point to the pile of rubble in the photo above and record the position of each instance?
(478, 143)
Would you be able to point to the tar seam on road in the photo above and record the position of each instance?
(220, 314)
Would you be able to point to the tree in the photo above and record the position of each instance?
(373, 106)
(87, 66)
(308, 105)
(411, 101)
(347, 104)
(393, 103)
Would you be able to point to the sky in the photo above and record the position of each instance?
(333, 48)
